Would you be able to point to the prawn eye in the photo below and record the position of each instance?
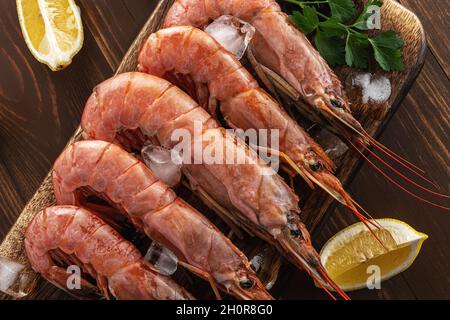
(336, 103)
(315, 166)
(293, 229)
(246, 283)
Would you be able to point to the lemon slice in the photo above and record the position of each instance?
(353, 254)
(52, 30)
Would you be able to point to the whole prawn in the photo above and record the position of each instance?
(76, 236)
(133, 108)
(283, 54)
(233, 93)
(105, 170)
(279, 46)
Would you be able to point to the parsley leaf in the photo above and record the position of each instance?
(340, 42)
(306, 21)
(356, 54)
(331, 48)
(332, 27)
(342, 10)
(387, 50)
(361, 22)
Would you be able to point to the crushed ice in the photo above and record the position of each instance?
(10, 277)
(232, 33)
(374, 89)
(165, 164)
(162, 258)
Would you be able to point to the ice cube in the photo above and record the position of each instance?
(165, 164)
(375, 89)
(162, 258)
(332, 145)
(232, 33)
(266, 262)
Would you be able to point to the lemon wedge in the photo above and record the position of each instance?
(52, 29)
(352, 255)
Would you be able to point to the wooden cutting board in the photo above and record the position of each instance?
(314, 204)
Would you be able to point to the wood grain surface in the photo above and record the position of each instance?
(39, 111)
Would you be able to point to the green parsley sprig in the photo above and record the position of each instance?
(342, 37)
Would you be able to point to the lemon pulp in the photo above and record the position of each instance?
(348, 255)
(52, 30)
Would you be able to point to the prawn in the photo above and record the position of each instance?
(104, 170)
(284, 57)
(133, 108)
(75, 236)
(233, 93)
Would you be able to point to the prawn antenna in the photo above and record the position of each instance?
(386, 176)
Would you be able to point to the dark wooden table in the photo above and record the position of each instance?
(40, 109)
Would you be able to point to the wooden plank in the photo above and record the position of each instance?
(39, 111)
(115, 25)
(12, 246)
(140, 10)
(129, 65)
(435, 16)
